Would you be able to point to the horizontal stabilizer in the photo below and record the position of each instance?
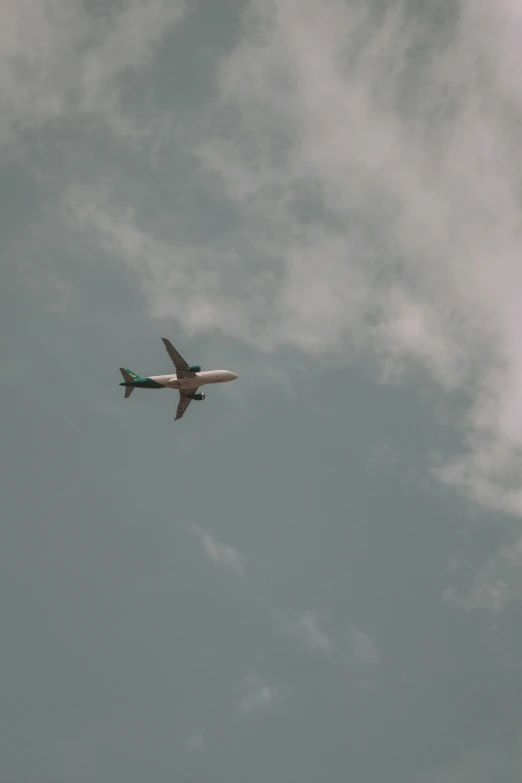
(128, 391)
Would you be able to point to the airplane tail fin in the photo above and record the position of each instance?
(128, 377)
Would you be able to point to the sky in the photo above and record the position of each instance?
(317, 574)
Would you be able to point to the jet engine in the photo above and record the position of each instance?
(200, 396)
(195, 368)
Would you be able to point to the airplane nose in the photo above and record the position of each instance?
(234, 376)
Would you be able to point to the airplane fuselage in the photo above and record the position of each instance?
(171, 381)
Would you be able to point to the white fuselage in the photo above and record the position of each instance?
(171, 381)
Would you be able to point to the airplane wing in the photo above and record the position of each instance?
(177, 360)
(183, 403)
(182, 368)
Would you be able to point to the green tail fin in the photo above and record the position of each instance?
(129, 376)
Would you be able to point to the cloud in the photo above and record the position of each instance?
(306, 628)
(227, 556)
(494, 586)
(200, 283)
(62, 59)
(415, 256)
(363, 648)
(357, 649)
(260, 695)
(374, 167)
(384, 456)
(372, 161)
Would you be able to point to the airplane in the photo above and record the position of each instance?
(186, 379)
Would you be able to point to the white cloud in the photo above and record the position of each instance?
(421, 257)
(201, 284)
(358, 649)
(384, 456)
(227, 556)
(492, 587)
(376, 172)
(374, 163)
(259, 696)
(363, 648)
(60, 60)
(306, 628)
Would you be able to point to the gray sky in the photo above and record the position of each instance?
(317, 574)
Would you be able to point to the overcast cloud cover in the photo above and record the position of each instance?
(316, 575)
